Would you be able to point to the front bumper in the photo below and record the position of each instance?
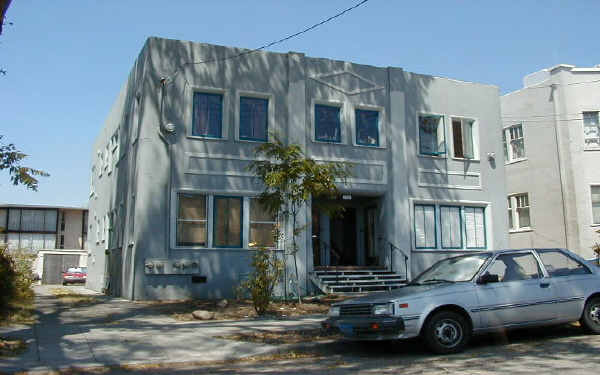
(366, 328)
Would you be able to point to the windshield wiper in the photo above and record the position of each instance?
(438, 281)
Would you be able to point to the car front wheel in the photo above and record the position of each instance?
(446, 332)
(590, 320)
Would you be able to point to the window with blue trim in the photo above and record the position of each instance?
(191, 219)
(451, 228)
(327, 123)
(254, 115)
(475, 227)
(425, 227)
(367, 127)
(227, 227)
(207, 115)
(431, 135)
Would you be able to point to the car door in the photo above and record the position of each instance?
(572, 281)
(522, 295)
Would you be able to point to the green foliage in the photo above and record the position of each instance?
(292, 179)
(267, 270)
(11, 158)
(16, 278)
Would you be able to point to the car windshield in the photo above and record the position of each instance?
(462, 268)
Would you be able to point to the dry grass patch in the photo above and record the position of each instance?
(68, 297)
(281, 337)
(243, 309)
(20, 311)
(11, 347)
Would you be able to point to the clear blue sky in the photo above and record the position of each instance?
(66, 60)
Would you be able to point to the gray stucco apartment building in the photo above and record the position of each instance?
(552, 153)
(171, 205)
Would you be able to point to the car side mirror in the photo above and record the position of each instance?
(488, 278)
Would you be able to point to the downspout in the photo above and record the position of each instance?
(554, 91)
(168, 129)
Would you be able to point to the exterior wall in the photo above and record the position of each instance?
(155, 165)
(559, 169)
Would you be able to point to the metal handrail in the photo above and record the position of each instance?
(394, 248)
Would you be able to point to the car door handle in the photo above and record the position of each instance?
(544, 285)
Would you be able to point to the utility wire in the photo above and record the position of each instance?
(248, 52)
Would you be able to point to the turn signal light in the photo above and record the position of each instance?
(403, 306)
(374, 326)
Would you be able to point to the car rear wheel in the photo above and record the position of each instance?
(446, 332)
(590, 320)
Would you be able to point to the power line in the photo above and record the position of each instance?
(270, 44)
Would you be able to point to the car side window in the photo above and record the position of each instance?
(559, 264)
(514, 267)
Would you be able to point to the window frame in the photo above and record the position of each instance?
(341, 106)
(440, 155)
(380, 121)
(242, 221)
(474, 137)
(270, 114)
(435, 221)
(593, 222)
(177, 220)
(585, 147)
(224, 112)
(508, 143)
(485, 232)
(460, 225)
(516, 218)
(250, 222)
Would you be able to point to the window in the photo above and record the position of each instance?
(451, 230)
(254, 114)
(514, 146)
(559, 264)
(518, 212)
(207, 115)
(591, 129)
(367, 127)
(595, 190)
(327, 123)
(227, 222)
(462, 136)
(425, 229)
(431, 135)
(475, 227)
(515, 267)
(263, 226)
(191, 220)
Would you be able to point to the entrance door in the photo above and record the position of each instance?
(343, 239)
(370, 249)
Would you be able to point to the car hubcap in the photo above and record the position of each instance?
(448, 333)
(595, 314)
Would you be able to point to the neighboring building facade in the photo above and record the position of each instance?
(172, 213)
(57, 235)
(552, 153)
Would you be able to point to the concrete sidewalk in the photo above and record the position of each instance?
(114, 331)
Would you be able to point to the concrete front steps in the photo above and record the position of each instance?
(350, 280)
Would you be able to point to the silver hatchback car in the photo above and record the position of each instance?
(476, 293)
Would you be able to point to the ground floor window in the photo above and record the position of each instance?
(263, 226)
(518, 212)
(460, 226)
(595, 190)
(228, 222)
(191, 220)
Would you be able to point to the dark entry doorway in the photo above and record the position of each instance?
(343, 239)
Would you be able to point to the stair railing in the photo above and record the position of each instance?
(393, 249)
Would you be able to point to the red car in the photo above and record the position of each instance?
(74, 275)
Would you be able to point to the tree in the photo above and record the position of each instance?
(4, 4)
(11, 158)
(291, 179)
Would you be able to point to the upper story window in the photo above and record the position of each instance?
(207, 115)
(595, 192)
(263, 226)
(591, 129)
(327, 123)
(463, 138)
(514, 145)
(431, 135)
(191, 220)
(367, 127)
(254, 115)
(518, 212)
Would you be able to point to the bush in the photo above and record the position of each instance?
(267, 270)
(16, 278)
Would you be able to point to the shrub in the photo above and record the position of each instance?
(267, 270)
(16, 277)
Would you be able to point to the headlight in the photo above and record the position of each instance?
(387, 309)
(334, 311)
